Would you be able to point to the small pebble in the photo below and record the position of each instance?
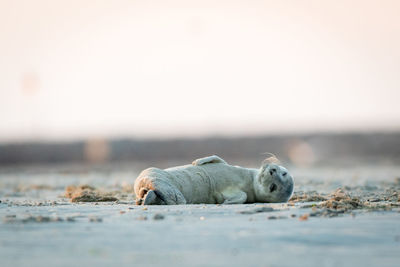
(95, 219)
(158, 216)
(70, 219)
(303, 217)
(256, 210)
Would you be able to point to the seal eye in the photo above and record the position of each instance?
(284, 174)
(272, 188)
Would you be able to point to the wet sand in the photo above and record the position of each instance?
(338, 216)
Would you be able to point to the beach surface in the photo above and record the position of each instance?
(339, 216)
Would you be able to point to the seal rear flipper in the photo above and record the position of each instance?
(152, 198)
(156, 197)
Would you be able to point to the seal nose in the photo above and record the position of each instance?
(272, 171)
(272, 187)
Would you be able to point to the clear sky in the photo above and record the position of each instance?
(77, 68)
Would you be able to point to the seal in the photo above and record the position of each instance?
(210, 180)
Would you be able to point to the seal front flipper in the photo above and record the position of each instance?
(238, 197)
(209, 159)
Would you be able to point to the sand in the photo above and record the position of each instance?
(345, 217)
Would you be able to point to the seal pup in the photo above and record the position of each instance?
(210, 180)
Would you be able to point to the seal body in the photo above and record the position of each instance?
(211, 180)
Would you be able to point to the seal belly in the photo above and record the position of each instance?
(195, 184)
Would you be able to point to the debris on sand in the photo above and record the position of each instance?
(72, 190)
(29, 203)
(391, 194)
(341, 202)
(256, 210)
(312, 196)
(86, 193)
(95, 219)
(303, 217)
(92, 197)
(326, 213)
(142, 218)
(276, 217)
(34, 218)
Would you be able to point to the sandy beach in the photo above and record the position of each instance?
(337, 217)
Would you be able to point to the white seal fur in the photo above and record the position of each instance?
(211, 180)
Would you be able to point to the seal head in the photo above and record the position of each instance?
(273, 184)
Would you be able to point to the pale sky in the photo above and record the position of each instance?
(78, 69)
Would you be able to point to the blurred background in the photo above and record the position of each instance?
(149, 81)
